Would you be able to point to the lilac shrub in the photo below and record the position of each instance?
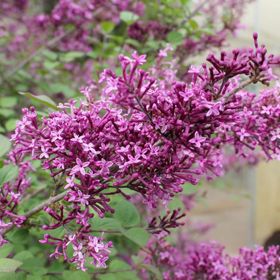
(144, 134)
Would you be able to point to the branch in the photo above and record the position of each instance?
(37, 209)
(194, 12)
(50, 43)
(29, 58)
(243, 85)
(28, 196)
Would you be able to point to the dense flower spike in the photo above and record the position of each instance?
(84, 245)
(149, 134)
(10, 196)
(141, 31)
(209, 261)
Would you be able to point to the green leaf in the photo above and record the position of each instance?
(9, 265)
(74, 275)
(138, 235)
(106, 224)
(24, 255)
(70, 56)
(29, 264)
(190, 189)
(49, 65)
(153, 270)
(10, 124)
(153, 45)
(52, 277)
(109, 276)
(175, 37)
(43, 99)
(32, 277)
(175, 203)
(23, 74)
(118, 264)
(8, 173)
(132, 42)
(127, 214)
(193, 24)
(39, 271)
(56, 267)
(6, 250)
(6, 112)
(57, 87)
(8, 102)
(9, 276)
(107, 26)
(184, 2)
(5, 145)
(120, 270)
(128, 17)
(49, 54)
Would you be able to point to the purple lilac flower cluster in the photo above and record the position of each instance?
(10, 196)
(13, 6)
(209, 261)
(69, 26)
(149, 136)
(141, 30)
(82, 17)
(84, 246)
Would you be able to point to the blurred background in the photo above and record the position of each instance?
(250, 215)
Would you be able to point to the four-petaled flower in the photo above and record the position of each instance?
(243, 134)
(197, 140)
(77, 138)
(44, 153)
(80, 167)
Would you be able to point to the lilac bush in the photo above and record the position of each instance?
(144, 135)
(112, 160)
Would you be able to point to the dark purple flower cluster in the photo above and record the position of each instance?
(68, 26)
(209, 261)
(141, 31)
(73, 23)
(150, 134)
(10, 196)
(13, 6)
(84, 246)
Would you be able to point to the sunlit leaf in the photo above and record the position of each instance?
(127, 213)
(5, 145)
(128, 17)
(9, 265)
(8, 173)
(43, 99)
(138, 235)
